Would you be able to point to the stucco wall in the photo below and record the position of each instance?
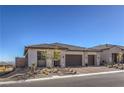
(32, 57)
(97, 57)
(49, 60)
(62, 60)
(106, 55)
(115, 50)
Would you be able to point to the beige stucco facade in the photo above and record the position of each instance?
(106, 55)
(32, 57)
(99, 56)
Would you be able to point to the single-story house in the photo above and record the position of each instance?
(109, 52)
(65, 55)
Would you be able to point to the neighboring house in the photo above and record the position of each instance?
(70, 55)
(110, 52)
(5, 67)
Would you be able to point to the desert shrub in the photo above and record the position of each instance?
(121, 67)
(103, 63)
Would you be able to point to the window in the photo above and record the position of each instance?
(41, 55)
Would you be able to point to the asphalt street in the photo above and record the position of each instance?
(106, 80)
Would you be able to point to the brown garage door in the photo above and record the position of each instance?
(73, 60)
(41, 63)
(91, 60)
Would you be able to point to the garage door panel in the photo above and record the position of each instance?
(73, 60)
(41, 63)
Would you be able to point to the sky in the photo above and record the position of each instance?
(84, 26)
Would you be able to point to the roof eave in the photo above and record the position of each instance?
(26, 48)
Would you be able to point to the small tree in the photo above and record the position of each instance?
(44, 55)
(56, 55)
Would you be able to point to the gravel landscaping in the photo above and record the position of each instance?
(93, 69)
(23, 74)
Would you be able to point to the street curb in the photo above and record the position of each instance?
(60, 77)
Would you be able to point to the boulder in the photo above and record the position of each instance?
(55, 70)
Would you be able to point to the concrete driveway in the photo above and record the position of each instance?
(106, 80)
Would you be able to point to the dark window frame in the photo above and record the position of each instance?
(41, 55)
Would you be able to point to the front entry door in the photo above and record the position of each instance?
(91, 60)
(123, 58)
(114, 57)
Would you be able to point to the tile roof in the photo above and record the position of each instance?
(106, 46)
(71, 47)
(55, 46)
